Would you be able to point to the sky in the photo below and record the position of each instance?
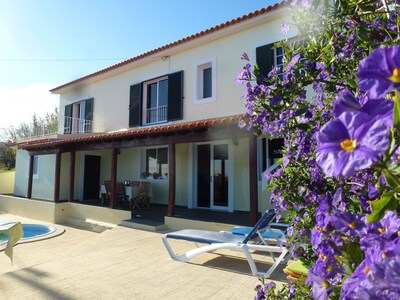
(47, 43)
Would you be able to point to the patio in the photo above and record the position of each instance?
(121, 263)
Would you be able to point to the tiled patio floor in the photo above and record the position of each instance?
(121, 263)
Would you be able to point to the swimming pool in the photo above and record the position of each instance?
(34, 232)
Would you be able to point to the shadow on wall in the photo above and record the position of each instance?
(7, 182)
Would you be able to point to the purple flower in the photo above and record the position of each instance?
(379, 73)
(346, 101)
(348, 223)
(285, 27)
(350, 143)
(320, 288)
(244, 56)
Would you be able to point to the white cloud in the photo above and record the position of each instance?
(20, 104)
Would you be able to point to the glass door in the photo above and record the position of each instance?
(213, 175)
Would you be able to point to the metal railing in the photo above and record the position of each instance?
(76, 125)
(156, 114)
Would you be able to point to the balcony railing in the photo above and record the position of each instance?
(156, 114)
(76, 125)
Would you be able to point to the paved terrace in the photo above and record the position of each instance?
(121, 263)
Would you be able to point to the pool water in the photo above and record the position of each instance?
(32, 231)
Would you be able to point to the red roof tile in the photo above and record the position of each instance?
(179, 42)
(142, 131)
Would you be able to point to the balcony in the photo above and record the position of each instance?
(76, 125)
(157, 114)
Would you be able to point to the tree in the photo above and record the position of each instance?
(7, 157)
(39, 127)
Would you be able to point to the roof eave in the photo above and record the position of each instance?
(241, 23)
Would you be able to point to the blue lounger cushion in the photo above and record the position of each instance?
(245, 231)
(204, 236)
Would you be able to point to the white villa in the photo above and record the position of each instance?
(169, 117)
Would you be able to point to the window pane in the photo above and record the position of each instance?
(163, 93)
(151, 161)
(207, 85)
(35, 165)
(152, 95)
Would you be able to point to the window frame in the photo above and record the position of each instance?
(199, 68)
(265, 155)
(144, 100)
(145, 164)
(77, 112)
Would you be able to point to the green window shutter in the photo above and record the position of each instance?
(265, 58)
(135, 105)
(68, 119)
(89, 109)
(175, 96)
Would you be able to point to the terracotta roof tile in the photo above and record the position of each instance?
(176, 43)
(132, 133)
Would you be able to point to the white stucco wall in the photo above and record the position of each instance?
(43, 184)
(111, 94)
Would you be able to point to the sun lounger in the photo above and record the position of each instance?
(272, 233)
(226, 240)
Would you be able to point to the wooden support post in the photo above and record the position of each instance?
(114, 161)
(172, 180)
(57, 176)
(253, 180)
(72, 176)
(30, 176)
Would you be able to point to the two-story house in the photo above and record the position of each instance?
(168, 116)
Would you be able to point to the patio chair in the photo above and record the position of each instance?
(142, 199)
(122, 198)
(227, 240)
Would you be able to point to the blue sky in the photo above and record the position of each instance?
(46, 43)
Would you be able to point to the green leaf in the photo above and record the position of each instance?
(397, 111)
(380, 206)
(391, 179)
(394, 168)
(301, 110)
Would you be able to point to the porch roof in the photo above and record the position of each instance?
(141, 136)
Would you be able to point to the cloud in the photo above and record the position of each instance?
(20, 104)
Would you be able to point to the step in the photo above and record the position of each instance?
(143, 225)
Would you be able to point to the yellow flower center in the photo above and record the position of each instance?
(353, 225)
(396, 76)
(384, 255)
(381, 230)
(348, 145)
(366, 270)
(325, 285)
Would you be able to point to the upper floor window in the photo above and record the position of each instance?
(156, 100)
(205, 82)
(79, 117)
(268, 57)
(279, 56)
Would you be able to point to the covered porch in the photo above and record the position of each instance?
(209, 130)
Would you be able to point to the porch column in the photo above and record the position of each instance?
(57, 177)
(172, 179)
(253, 180)
(30, 176)
(114, 159)
(72, 176)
